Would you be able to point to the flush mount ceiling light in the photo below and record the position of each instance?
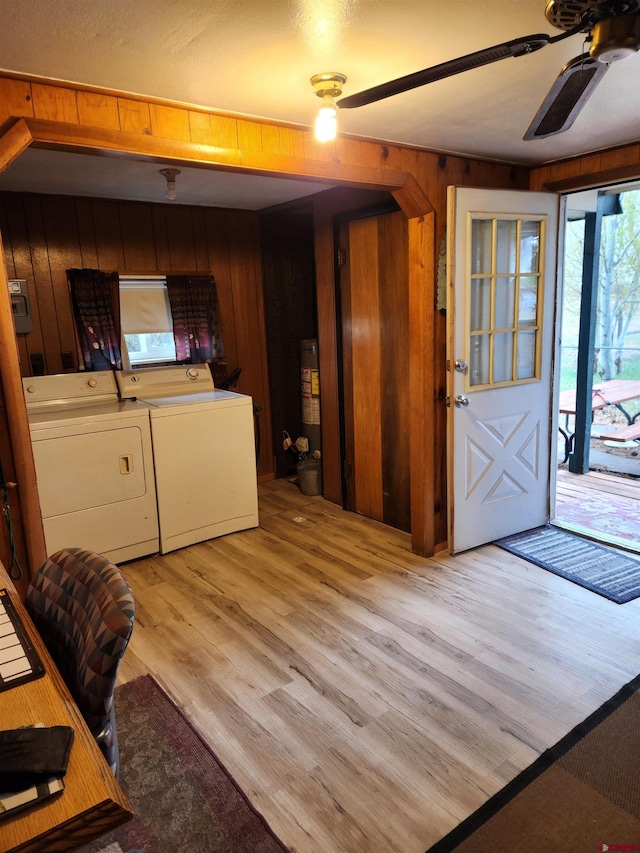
(327, 86)
(170, 175)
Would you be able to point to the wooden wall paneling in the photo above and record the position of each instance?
(138, 246)
(264, 416)
(170, 122)
(327, 348)
(134, 116)
(160, 238)
(98, 110)
(346, 366)
(219, 265)
(206, 128)
(610, 166)
(200, 240)
(367, 368)
(291, 141)
(15, 99)
(15, 259)
(182, 251)
(249, 135)
(590, 164)
(63, 246)
(270, 139)
(106, 223)
(86, 234)
(47, 338)
(246, 283)
(394, 369)
(290, 316)
(56, 103)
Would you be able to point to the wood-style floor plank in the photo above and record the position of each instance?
(367, 699)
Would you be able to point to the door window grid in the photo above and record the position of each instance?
(505, 285)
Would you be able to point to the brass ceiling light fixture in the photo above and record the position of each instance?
(327, 86)
(170, 175)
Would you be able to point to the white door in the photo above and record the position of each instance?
(502, 277)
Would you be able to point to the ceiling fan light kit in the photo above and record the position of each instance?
(611, 27)
(327, 86)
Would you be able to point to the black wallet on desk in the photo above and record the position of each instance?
(30, 756)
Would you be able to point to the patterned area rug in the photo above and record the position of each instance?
(581, 795)
(612, 574)
(603, 513)
(183, 799)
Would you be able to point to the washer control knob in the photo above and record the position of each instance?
(92, 383)
(192, 373)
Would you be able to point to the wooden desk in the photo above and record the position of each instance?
(92, 803)
(614, 392)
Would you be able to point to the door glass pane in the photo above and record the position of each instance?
(481, 231)
(503, 357)
(528, 304)
(529, 246)
(526, 355)
(506, 246)
(479, 360)
(480, 318)
(505, 303)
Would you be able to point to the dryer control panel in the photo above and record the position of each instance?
(173, 381)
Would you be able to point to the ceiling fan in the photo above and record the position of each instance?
(612, 28)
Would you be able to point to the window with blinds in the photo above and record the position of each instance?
(145, 315)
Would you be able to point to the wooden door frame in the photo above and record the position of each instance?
(340, 220)
(27, 132)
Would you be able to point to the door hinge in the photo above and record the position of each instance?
(341, 257)
(347, 470)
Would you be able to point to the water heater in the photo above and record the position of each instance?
(310, 379)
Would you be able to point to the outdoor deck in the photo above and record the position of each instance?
(600, 503)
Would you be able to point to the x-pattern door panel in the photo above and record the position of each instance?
(501, 297)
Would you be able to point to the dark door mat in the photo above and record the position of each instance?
(612, 574)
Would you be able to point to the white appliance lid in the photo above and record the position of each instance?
(191, 403)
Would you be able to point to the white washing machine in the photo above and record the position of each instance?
(94, 465)
(204, 453)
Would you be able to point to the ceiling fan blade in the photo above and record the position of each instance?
(568, 95)
(516, 47)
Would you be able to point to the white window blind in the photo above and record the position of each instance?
(144, 306)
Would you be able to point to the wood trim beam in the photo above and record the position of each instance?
(422, 382)
(62, 136)
(595, 179)
(13, 142)
(412, 200)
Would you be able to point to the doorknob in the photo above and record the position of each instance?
(461, 365)
(461, 401)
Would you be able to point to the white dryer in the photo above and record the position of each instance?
(94, 465)
(204, 453)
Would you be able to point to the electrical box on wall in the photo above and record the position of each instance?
(20, 307)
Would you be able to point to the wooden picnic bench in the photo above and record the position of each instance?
(628, 433)
(613, 392)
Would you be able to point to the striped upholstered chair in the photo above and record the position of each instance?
(83, 609)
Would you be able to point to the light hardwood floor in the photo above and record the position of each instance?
(366, 699)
